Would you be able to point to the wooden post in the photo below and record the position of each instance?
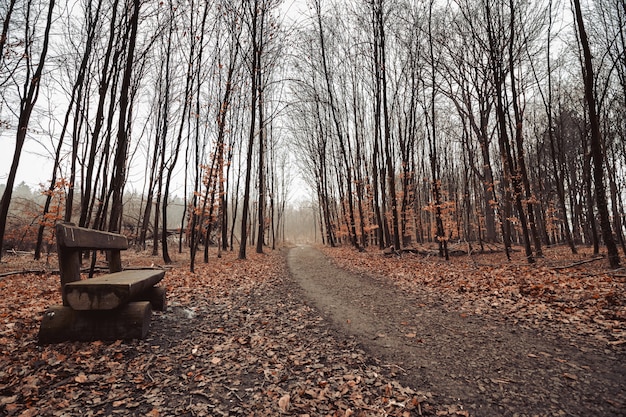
(115, 261)
(69, 259)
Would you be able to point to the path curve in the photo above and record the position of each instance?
(491, 368)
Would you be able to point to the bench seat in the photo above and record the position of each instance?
(111, 291)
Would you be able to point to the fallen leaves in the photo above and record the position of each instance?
(81, 378)
(575, 297)
(234, 341)
(570, 376)
(284, 402)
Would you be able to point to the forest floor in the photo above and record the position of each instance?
(349, 333)
(500, 339)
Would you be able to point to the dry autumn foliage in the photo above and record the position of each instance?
(578, 294)
(235, 340)
(238, 340)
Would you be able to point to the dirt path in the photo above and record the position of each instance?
(492, 368)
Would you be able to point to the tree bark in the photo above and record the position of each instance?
(596, 142)
(119, 175)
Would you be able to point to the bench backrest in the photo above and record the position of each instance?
(71, 240)
(80, 238)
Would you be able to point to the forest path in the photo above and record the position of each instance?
(488, 367)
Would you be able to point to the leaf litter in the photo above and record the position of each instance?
(570, 294)
(504, 338)
(235, 340)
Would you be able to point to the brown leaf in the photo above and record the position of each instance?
(30, 412)
(8, 400)
(570, 376)
(284, 402)
(81, 378)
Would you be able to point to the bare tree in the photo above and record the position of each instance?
(119, 175)
(92, 19)
(596, 140)
(29, 96)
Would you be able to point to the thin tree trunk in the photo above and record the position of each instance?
(253, 7)
(337, 124)
(391, 174)
(596, 142)
(105, 79)
(522, 172)
(261, 164)
(119, 175)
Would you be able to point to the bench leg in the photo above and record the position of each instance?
(157, 297)
(61, 323)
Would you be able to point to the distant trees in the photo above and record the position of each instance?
(483, 136)
(461, 121)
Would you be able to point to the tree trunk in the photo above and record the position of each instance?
(379, 42)
(596, 142)
(119, 175)
(261, 164)
(253, 7)
(522, 172)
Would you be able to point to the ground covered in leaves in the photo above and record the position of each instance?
(573, 295)
(423, 337)
(482, 337)
(235, 340)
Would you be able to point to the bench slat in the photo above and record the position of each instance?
(74, 237)
(110, 291)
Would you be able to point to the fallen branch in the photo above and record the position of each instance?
(25, 271)
(586, 261)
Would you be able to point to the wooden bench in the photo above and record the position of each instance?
(109, 307)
